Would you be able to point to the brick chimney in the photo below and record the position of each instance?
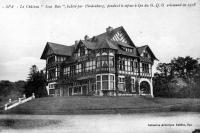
(86, 37)
(109, 29)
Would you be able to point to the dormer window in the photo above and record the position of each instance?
(51, 59)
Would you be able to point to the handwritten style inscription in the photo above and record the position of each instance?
(82, 6)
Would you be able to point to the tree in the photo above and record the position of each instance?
(184, 66)
(36, 83)
(164, 69)
(179, 78)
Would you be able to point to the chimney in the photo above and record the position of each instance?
(76, 43)
(109, 29)
(86, 37)
(94, 39)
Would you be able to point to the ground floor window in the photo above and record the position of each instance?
(51, 91)
(77, 90)
(93, 87)
(105, 82)
(98, 82)
(133, 85)
(112, 82)
(121, 83)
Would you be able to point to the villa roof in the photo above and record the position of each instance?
(58, 49)
(142, 48)
(100, 41)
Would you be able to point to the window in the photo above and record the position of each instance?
(52, 73)
(67, 71)
(98, 82)
(60, 58)
(82, 51)
(104, 61)
(120, 65)
(79, 68)
(112, 83)
(133, 85)
(51, 86)
(131, 66)
(72, 70)
(93, 87)
(145, 68)
(111, 61)
(104, 82)
(98, 61)
(51, 59)
(90, 65)
(77, 90)
(126, 65)
(78, 54)
(51, 91)
(121, 83)
(93, 64)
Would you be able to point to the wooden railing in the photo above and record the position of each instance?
(12, 104)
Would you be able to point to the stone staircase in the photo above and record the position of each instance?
(11, 104)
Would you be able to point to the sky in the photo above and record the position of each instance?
(169, 31)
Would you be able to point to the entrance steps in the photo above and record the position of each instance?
(11, 104)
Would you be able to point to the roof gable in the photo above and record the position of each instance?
(147, 48)
(58, 49)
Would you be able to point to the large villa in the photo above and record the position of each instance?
(106, 64)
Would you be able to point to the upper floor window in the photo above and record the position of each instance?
(66, 71)
(90, 65)
(51, 59)
(111, 61)
(145, 67)
(60, 58)
(83, 51)
(128, 49)
(105, 60)
(52, 73)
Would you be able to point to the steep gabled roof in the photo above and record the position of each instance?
(104, 43)
(100, 41)
(108, 36)
(142, 48)
(57, 49)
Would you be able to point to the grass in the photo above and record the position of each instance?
(102, 105)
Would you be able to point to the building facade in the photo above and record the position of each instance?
(106, 64)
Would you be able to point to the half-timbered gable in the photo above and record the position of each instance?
(105, 64)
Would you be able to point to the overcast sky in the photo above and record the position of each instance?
(170, 32)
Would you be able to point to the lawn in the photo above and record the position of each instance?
(102, 105)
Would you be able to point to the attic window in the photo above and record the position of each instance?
(129, 50)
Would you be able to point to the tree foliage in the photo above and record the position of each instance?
(36, 83)
(11, 90)
(179, 78)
